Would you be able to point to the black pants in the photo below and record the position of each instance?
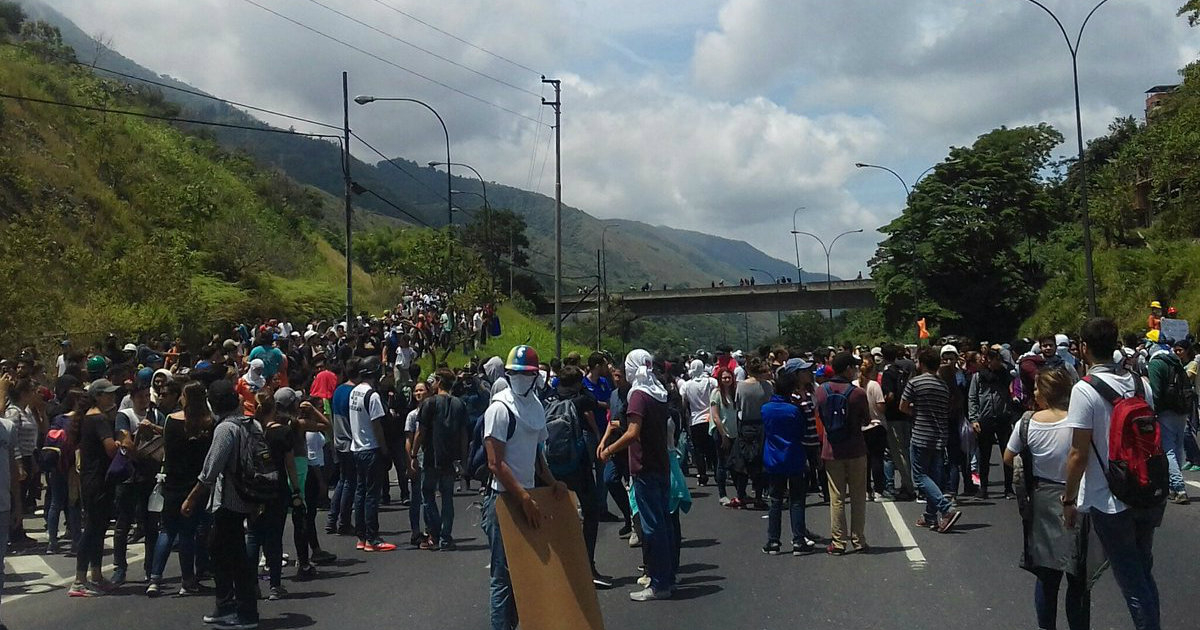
(97, 510)
(704, 450)
(876, 439)
(233, 571)
(132, 508)
(993, 432)
(306, 540)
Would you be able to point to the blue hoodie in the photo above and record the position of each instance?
(783, 440)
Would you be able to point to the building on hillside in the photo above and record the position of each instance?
(1155, 97)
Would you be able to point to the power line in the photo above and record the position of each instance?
(398, 167)
(424, 50)
(390, 62)
(357, 188)
(264, 110)
(457, 38)
(190, 121)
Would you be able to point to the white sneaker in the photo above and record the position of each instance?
(634, 539)
(644, 581)
(649, 594)
(724, 501)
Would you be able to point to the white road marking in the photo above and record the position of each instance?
(915, 557)
(51, 579)
(1194, 484)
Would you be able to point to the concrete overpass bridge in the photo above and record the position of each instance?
(843, 294)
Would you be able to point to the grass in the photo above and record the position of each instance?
(516, 328)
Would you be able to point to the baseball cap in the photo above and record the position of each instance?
(949, 349)
(229, 344)
(101, 386)
(796, 365)
(287, 397)
(129, 348)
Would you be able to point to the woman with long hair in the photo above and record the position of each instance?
(97, 446)
(1050, 550)
(64, 480)
(746, 460)
(186, 439)
(411, 421)
(722, 420)
(266, 528)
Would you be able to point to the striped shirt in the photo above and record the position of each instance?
(930, 399)
(805, 402)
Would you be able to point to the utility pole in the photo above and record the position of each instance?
(346, 181)
(512, 260)
(599, 298)
(557, 105)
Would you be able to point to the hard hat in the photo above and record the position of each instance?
(1155, 304)
(522, 359)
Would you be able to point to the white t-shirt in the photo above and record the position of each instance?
(875, 403)
(739, 373)
(1089, 411)
(412, 420)
(520, 452)
(362, 414)
(315, 443)
(404, 357)
(62, 364)
(696, 395)
(1049, 444)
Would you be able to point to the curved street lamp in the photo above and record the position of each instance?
(796, 243)
(778, 317)
(363, 100)
(828, 270)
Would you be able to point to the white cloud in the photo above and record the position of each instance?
(716, 115)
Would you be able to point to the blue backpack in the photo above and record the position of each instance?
(835, 414)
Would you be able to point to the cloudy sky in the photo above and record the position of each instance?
(721, 116)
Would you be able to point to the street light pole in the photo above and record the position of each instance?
(829, 270)
(604, 259)
(796, 242)
(775, 281)
(349, 188)
(557, 105)
(1083, 199)
(363, 100)
(487, 208)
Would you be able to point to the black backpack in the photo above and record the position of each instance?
(477, 463)
(1180, 396)
(257, 479)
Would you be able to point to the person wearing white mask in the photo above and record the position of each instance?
(514, 425)
(696, 393)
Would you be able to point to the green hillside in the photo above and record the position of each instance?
(118, 223)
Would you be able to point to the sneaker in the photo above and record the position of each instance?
(772, 548)
(323, 557)
(634, 539)
(379, 545)
(982, 495)
(735, 504)
(237, 623)
(360, 545)
(834, 550)
(187, 588)
(1181, 498)
(601, 581)
(118, 576)
(1010, 496)
(428, 544)
(346, 530)
(644, 581)
(306, 572)
(807, 546)
(625, 531)
(152, 590)
(215, 618)
(447, 545)
(83, 589)
(948, 520)
(863, 548)
(724, 501)
(415, 540)
(277, 593)
(53, 548)
(649, 594)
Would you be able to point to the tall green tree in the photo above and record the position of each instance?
(1192, 10)
(961, 254)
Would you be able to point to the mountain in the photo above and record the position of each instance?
(636, 252)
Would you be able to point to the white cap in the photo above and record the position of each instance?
(129, 348)
(949, 348)
(1062, 340)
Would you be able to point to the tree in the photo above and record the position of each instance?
(11, 17)
(1192, 10)
(958, 255)
(805, 330)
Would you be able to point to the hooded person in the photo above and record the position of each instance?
(159, 380)
(1062, 345)
(250, 384)
(696, 394)
(493, 372)
(514, 426)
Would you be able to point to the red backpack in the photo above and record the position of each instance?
(1137, 465)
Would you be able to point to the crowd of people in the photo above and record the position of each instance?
(209, 454)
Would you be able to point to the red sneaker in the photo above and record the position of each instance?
(361, 545)
(379, 546)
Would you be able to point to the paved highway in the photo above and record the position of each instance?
(912, 578)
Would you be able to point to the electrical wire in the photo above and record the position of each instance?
(398, 167)
(393, 205)
(264, 110)
(457, 38)
(390, 62)
(424, 50)
(191, 121)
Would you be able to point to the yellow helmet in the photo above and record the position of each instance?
(1152, 336)
(1155, 304)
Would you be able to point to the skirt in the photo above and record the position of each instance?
(1049, 545)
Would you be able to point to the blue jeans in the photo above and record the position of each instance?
(1128, 541)
(503, 608)
(652, 492)
(1174, 429)
(414, 506)
(613, 476)
(341, 506)
(366, 495)
(796, 486)
(60, 502)
(927, 471)
(440, 523)
(176, 527)
(266, 533)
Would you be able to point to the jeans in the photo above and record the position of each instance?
(876, 440)
(795, 486)
(652, 494)
(176, 528)
(503, 608)
(132, 500)
(5, 523)
(366, 495)
(927, 469)
(97, 510)
(993, 432)
(60, 502)
(703, 449)
(900, 444)
(233, 571)
(307, 542)
(615, 471)
(1128, 541)
(1174, 427)
(439, 522)
(266, 533)
(1045, 600)
(414, 506)
(721, 472)
(847, 480)
(341, 506)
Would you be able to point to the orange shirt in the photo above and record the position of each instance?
(1154, 322)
